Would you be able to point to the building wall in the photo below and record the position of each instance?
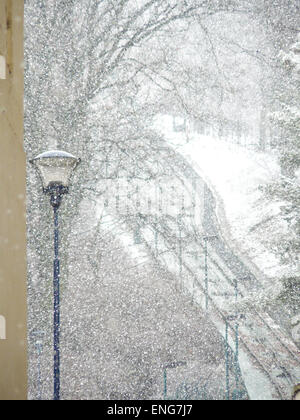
(13, 357)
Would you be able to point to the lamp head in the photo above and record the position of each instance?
(55, 167)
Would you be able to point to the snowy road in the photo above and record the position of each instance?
(185, 237)
(217, 280)
(269, 360)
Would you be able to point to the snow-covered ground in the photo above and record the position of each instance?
(236, 173)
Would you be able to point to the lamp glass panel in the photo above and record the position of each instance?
(56, 169)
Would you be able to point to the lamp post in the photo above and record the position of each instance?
(55, 168)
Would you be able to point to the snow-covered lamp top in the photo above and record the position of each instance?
(55, 167)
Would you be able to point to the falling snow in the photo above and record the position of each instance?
(179, 238)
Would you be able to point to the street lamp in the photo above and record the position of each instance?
(55, 168)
